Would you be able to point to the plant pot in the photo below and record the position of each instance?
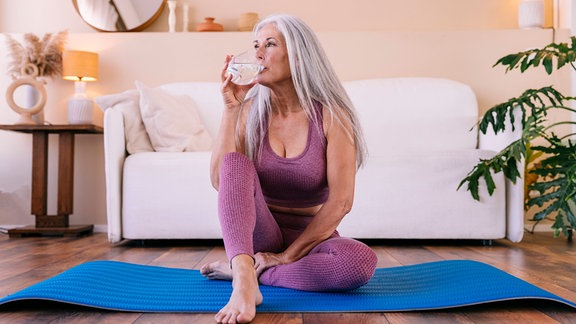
(531, 14)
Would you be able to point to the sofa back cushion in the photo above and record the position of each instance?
(415, 114)
(207, 97)
(397, 114)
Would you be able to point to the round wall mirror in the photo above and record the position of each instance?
(119, 15)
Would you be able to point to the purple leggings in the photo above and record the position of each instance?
(248, 227)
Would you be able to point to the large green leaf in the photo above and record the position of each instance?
(506, 161)
(556, 186)
(564, 53)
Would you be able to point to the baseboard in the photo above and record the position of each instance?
(101, 228)
(4, 228)
(538, 228)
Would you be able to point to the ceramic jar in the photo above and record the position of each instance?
(209, 25)
(247, 21)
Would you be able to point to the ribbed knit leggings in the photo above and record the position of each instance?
(248, 227)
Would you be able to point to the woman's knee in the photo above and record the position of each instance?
(366, 263)
(356, 262)
(363, 260)
(235, 163)
(236, 170)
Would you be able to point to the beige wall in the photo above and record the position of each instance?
(373, 38)
(323, 15)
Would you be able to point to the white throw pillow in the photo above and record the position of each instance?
(128, 103)
(172, 122)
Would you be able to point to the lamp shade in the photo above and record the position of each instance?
(80, 66)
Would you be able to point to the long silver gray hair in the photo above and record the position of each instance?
(314, 80)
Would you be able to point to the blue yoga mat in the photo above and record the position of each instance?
(140, 288)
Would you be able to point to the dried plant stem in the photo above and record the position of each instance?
(45, 53)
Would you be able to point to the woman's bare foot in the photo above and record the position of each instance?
(246, 295)
(218, 270)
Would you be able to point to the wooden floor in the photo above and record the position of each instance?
(540, 259)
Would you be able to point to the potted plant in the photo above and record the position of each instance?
(552, 165)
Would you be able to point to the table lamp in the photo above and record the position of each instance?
(80, 67)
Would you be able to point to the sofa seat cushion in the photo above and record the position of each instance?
(167, 194)
(418, 198)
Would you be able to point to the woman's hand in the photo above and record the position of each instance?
(232, 93)
(265, 260)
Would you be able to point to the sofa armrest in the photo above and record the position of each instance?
(114, 156)
(514, 191)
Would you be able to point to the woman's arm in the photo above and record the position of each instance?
(233, 96)
(341, 174)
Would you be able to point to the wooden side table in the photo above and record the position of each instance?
(52, 224)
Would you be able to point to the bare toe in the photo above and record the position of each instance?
(217, 270)
(246, 295)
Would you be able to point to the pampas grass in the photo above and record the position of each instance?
(45, 53)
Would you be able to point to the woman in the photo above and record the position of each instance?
(284, 164)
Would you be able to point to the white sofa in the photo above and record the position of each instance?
(421, 143)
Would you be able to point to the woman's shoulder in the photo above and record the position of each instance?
(336, 119)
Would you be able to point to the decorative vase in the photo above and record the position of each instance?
(34, 94)
(209, 25)
(185, 18)
(172, 16)
(531, 14)
(247, 21)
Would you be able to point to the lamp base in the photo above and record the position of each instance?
(80, 111)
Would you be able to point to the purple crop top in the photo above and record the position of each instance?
(300, 181)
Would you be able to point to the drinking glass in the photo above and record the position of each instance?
(244, 68)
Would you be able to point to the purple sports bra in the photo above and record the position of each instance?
(295, 182)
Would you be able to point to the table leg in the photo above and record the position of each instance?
(39, 173)
(65, 184)
(66, 174)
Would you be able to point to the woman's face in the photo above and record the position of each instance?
(273, 55)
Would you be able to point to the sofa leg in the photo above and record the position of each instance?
(487, 242)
